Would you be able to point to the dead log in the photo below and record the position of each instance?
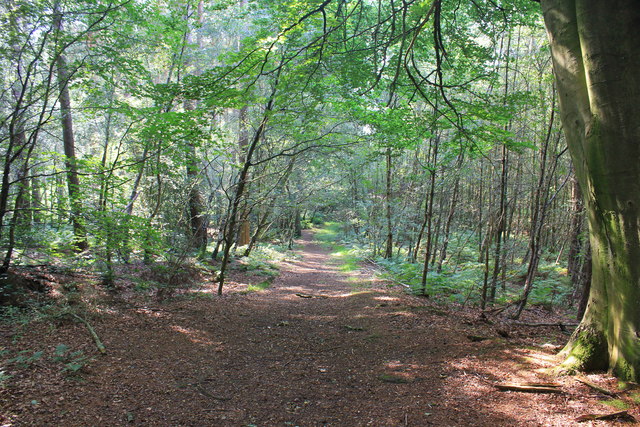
(610, 416)
(530, 387)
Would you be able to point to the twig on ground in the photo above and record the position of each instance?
(311, 296)
(101, 348)
(530, 387)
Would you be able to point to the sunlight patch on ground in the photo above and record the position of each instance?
(317, 318)
(396, 364)
(402, 313)
(306, 290)
(106, 310)
(386, 298)
(201, 290)
(195, 336)
(353, 293)
(534, 357)
(151, 312)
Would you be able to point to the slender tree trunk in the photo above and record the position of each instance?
(197, 218)
(429, 215)
(388, 252)
(68, 139)
(480, 212)
(539, 210)
(449, 221)
(198, 221)
(499, 255)
(500, 224)
(230, 228)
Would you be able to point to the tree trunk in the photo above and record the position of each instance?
(198, 220)
(575, 229)
(73, 182)
(449, 221)
(388, 252)
(428, 215)
(597, 69)
(230, 228)
(539, 212)
(500, 225)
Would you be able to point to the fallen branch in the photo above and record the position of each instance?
(596, 387)
(610, 416)
(496, 310)
(101, 348)
(530, 387)
(311, 296)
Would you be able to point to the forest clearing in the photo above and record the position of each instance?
(318, 347)
(319, 212)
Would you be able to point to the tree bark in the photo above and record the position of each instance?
(539, 214)
(428, 215)
(198, 220)
(388, 252)
(230, 228)
(68, 139)
(594, 47)
(575, 262)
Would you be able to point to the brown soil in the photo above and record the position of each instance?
(318, 348)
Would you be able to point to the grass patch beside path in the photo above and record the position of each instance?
(330, 236)
(262, 286)
(328, 233)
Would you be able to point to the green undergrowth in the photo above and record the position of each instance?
(71, 364)
(329, 234)
(264, 259)
(263, 262)
(444, 286)
(462, 283)
(461, 276)
(346, 254)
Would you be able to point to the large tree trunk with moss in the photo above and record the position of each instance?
(596, 56)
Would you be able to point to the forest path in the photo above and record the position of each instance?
(358, 352)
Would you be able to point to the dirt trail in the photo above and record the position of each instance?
(356, 353)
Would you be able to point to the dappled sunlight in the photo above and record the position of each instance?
(472, 379)
(195, 336)
(398, 365)
(402, 313)
(151, 312)
(386, 298)
(316, 317)
(209, 290)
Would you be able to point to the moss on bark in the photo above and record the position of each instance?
(586, 351)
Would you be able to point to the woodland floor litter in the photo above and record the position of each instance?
(317, 348)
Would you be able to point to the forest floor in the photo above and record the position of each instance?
(319, 347)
